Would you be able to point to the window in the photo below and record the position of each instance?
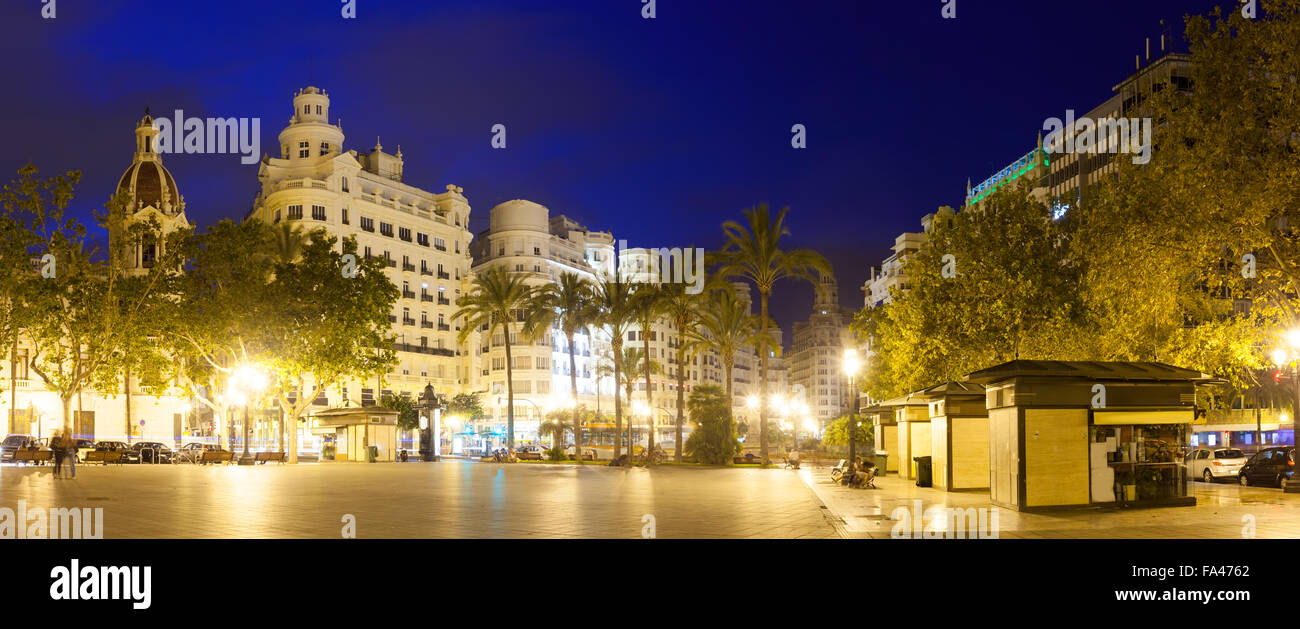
(386, 229)
(439, 244)
(543, 362)
(295, 212)
(306, 109)
(422, 239)
(345, 184)
(318, 110)
(277, 217)
(367, 224)
(368, 253)
(304, 149)
(318, 212)
(324, 148)
(404, 233)
(344, 216)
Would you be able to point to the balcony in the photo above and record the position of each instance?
(443, 276)
(392, 318)
(406, 294)
(392, 264)
(432, 351)
(408, 267)
(444, 327)
(408, 321)
(440, 247)
(428, 325)
(426, 297)
(426, 272)
(443, 301)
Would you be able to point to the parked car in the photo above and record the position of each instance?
(530, 453)
(84, 446)
(1271, 467)
(13, 443)
(192, 452)
(163, 451)
(586, 452)
(128, 455)
(1212, 464)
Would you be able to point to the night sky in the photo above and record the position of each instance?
(657, 130)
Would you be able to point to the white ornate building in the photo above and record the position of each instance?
(424, 236)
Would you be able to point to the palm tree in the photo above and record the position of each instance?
(647, 302)
(498, 296)
(614, 303)
(726, 327)
(632, 361)
(570, 302)
(752, 252)
(683, 311)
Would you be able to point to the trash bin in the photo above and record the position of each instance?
(923, 475)
(881, 459)
(372, 454)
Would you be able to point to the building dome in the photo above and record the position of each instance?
(147, 182)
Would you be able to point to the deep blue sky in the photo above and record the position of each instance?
(655, 129)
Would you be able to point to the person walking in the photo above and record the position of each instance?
(70, 449)
(56, 453)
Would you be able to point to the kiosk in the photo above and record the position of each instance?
(959, 428)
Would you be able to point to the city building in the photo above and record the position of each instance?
(816, 355)
(129, 414)
(523, 237)
(423, 236)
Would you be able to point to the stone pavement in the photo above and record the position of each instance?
(1222, 511)
(449, 499)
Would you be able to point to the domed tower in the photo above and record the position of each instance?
(309, 134)
(150, 194)
(828, 298)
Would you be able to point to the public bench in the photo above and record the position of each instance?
(220, 456)
(32, 456)
(263, 457)
(104, 456)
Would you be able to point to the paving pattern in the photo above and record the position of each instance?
(1222, 511)
(449, 499)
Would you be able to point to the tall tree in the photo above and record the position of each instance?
(497, 299)
(683, 310)
(726, 327)
(333, 323)
(570, 304)
(648, 304)
(614, 303)
(752, 252)
(630, 364)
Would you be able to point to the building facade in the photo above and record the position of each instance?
(816, 356)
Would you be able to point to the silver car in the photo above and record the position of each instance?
(1213, 464)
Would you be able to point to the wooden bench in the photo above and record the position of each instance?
(104, 456)
(33, 456)
(263, 457)
(217, 457)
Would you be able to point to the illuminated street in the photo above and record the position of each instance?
(451, 499)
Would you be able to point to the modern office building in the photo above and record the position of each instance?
(423, 236)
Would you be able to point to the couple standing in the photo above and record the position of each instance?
(64, 446)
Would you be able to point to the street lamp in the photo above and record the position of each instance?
(245, 383)
(851, 366)
(1289, 356)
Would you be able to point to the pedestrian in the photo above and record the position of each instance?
(56, 453)
(71, 452)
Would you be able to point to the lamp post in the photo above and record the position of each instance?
(851, 366)
(246, 382)
(433, 418)
(1284, 356)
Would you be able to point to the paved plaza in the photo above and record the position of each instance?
(1222, 511)
(449, 499)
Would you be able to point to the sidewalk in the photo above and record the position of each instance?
(1223, 511)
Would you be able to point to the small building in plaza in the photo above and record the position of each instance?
(884, 423)
(959, 428)
(1073, 434)
(905, 437)
(347, 432)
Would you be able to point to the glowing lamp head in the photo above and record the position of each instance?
(1279, 357)
(1293, 338)
(752, 401)
(851, 362)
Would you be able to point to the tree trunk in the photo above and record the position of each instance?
(681, 403)
(128, 405)
(577, 419)
(291, 430)
(510, 395)
(762, 376)
(649, 397)
(617, 347)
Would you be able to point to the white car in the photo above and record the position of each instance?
(587, 452)
(1212, 464)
